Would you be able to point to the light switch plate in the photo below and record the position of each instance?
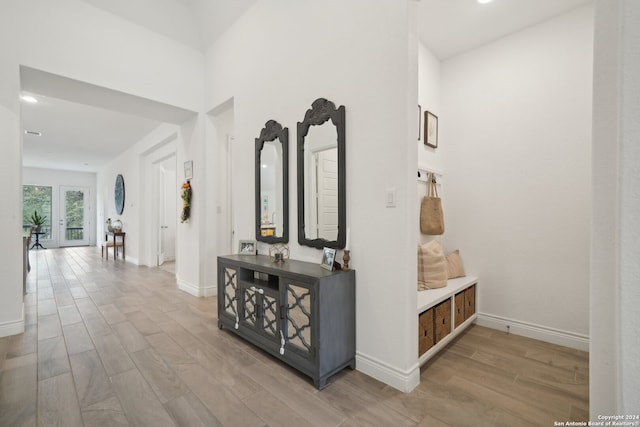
(391, 197)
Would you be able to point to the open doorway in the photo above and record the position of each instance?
(166, 212)
(159, 202)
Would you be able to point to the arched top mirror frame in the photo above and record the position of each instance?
(321, 111)
(272, 131)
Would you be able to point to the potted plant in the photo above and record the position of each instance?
(37, 220)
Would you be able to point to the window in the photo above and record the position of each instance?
(36, 198)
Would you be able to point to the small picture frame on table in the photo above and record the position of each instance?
(247, 247)
(328, 256)
(430, 129)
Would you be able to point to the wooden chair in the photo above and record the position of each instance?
(117, 246)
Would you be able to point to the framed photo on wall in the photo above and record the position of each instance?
(430, 129)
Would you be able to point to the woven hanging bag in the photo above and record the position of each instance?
(431, 217)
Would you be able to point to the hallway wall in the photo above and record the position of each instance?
(271, 73)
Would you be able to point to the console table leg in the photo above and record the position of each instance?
(320, 383)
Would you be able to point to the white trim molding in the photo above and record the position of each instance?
(12, 327)
(195, 290)
(531, 330)
(405, 381)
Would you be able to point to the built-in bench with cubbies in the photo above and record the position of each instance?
(439, 309)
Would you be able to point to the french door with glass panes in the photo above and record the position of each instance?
(74, 216)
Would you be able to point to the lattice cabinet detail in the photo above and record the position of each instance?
(297, 311)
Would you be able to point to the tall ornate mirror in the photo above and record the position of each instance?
(322, 213)
(272, 184)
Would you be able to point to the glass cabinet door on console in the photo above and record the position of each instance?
(298, 303)
(259, 309)
(228, 297)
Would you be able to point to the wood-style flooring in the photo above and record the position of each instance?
(112, 344)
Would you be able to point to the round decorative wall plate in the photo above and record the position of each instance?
(119, 194)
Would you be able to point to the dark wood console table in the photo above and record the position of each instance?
(299, 312)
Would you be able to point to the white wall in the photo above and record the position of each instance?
(11, 307)
(56, 178)
(615, 272)
(274, 62)
(220, 196)
(516, 127)
(73, 39)
(429, 158)
(430, 99)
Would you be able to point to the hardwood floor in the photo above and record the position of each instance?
(109, 343)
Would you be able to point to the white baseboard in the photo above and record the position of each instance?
(13, 327)
(405, 381)
(135, 261)
(538, 332)
(210, 291)
(197, 291)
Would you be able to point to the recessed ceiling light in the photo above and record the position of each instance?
(484, 1)
(32, 132)
(28, 98)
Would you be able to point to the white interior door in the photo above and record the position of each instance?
(74, 216)
(167, 213)
(230, 228)
(224, 192)
(168, 230)
(161, 213)
(327, 187)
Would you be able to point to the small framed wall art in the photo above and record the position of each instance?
(430, 129)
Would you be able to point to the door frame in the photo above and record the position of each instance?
(161, 192)
(157, 206)
(149, 222)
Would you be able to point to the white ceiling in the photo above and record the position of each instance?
(175, 19)
(450, 27)
(84, 126)
(77, 136)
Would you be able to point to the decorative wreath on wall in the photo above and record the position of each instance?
(186, 202)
